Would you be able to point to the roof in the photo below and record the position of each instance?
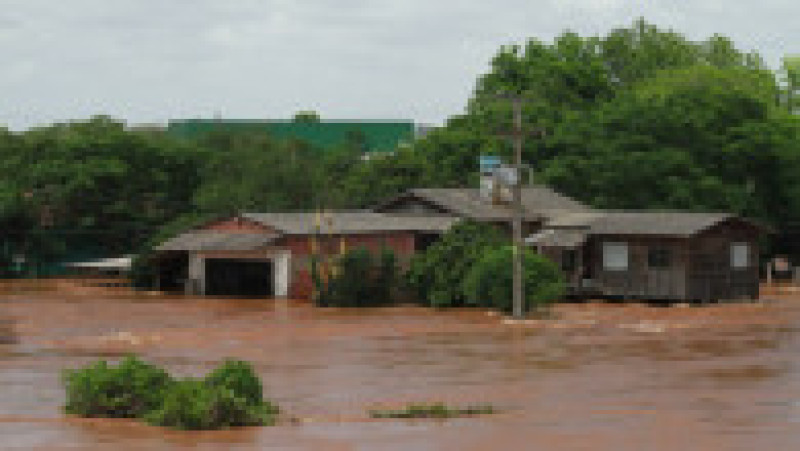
(116, 263)
(558, 238)
(656, 223)
(351, 222)
(216, 241)
(537, 201)
(377, 135)
(665, 223)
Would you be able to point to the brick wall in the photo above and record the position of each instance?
(402, 243)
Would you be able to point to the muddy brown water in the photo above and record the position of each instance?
(596, 376)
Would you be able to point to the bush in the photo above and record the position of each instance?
(239, 377)
(489, 282)
(128, 390)
(437, 273)
(356, 279)
(229, 396)
(194, 404)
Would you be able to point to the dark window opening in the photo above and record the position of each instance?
(247, 278)
(659, 257)
(568, 260)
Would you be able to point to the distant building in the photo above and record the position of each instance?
(370, 135)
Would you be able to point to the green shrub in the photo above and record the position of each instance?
(239, 377)
(229, 396)
(356, 279)
(489, 282)
(436, 274)
(128, 390)
(194, 404)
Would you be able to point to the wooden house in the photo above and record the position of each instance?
(654, 255)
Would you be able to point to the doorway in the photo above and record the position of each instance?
(243, 278)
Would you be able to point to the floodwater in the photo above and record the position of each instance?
(595, 376)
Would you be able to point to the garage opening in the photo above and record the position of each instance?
(243, 278)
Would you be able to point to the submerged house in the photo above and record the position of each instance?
(642, 254)
(269, 254)
(654, 255)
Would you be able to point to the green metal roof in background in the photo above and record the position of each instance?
(378, 136)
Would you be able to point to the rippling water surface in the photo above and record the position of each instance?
(596, 376)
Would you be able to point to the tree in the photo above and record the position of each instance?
(488, 282)
(437, 273)
(254, 172)
(697, 138)
(89, 188)
(790, 72)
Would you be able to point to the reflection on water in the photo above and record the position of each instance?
(8, 334)
(595, 377)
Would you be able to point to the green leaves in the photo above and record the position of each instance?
(488, 283)
(128, 390)
(356, 278)
(437, 273)
(229, 396)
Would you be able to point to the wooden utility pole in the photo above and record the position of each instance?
(518, 287)
(517, 135)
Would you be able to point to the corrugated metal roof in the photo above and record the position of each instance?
(558, 238)
(537, 202)
(351, 222)
(216, 241)
(655, 222)
(673, 223)
(378, 136)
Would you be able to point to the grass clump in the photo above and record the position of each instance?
(434, 410)
(229, 396)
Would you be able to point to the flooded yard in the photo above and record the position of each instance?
(595, 376)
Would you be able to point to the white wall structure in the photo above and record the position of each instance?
(280, 259)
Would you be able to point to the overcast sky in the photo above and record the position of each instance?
(146, 61)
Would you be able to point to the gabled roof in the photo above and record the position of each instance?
(350, 222)
(216, 241)
(569, 238)
(656, 223)
(537, 202)
(665, 223)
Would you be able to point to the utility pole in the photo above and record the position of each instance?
(517, 136)
(517, 286)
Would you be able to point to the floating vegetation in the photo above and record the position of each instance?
(434, 410)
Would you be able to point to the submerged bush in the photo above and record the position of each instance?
(436, 273)
(229, 396)
(239, 377)
(127, 390)
(356, 278)
(435, 410)
(194, 404)
(489, 282)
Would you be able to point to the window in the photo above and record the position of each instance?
(740, 255)
(568, 260)
(659, 257)
(615, 256)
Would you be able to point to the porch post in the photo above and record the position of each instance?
(281, 273)
(197, 275)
